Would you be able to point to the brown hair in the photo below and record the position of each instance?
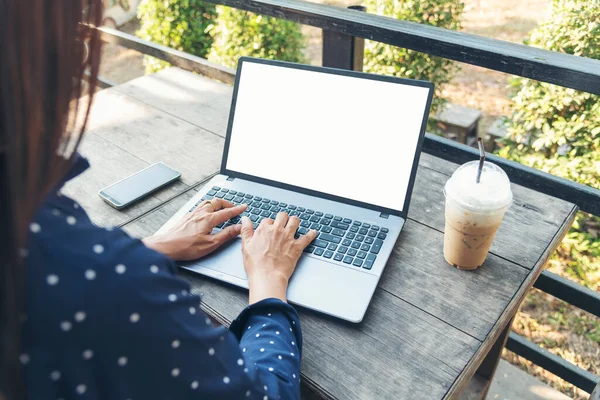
(42, 117)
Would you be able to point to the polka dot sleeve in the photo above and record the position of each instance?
(161, 341)
(107, 318)
(271, 339)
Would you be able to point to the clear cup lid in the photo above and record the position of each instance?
(490, 194)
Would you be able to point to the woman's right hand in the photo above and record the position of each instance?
(271, 254)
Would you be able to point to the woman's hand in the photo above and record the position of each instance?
(190, 238)
(270, 255)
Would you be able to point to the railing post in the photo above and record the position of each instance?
(343, 51)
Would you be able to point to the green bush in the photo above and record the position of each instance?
(389, 60)
(179, 24)
(557, 130)
(241, 33)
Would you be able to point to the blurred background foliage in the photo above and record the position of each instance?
(180, 24)
(384, 59)
(221, 34)
(240, 33)
(557, 130)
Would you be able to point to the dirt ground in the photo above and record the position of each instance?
(558, 327)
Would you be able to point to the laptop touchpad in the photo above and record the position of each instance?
(227, 259)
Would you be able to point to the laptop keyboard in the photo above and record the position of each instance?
(338, 238)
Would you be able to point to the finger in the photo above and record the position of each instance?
(305, 240)
(293, 224)
(227, 234)
(203, 208)
(219, 204)
(281, 219)
(247, 229)
(226, 213)
(265, 222)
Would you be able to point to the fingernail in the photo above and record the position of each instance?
(245, 218)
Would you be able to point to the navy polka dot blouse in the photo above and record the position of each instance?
(107, 318)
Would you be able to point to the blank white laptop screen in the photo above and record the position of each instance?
(346, 136)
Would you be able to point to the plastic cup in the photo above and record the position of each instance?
(474, 211)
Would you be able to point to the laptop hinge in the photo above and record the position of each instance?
(384, 215)
(231, 178)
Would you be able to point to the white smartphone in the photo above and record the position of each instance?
(135, 187)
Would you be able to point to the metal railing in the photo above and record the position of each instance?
(342, 26)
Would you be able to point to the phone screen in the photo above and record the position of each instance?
(138, 185)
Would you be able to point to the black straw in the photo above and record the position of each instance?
(481, 158)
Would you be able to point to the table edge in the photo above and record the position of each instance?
(512, 308)
(462, 380)
(189, 188)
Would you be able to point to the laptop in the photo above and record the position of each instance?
(340, 150)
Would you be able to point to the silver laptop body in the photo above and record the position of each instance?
(337, 148)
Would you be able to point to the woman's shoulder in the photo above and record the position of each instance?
(62, 239)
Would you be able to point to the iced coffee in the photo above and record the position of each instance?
(474, 211)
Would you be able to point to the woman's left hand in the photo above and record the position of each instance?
(190, 238)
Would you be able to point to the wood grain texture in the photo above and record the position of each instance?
(396, 329)
(531, 212)
(175, 57)
(398, 351)
(109, 163)
(511, 309)
(420, 334)
(429, 325)
(468, 300)
(586, 197)
(153, 135)
(125, 135)
(530, 62)
(193, 98)
(147, 225)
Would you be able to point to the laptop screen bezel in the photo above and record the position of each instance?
(237, 174)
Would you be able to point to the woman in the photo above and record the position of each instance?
(88, 312)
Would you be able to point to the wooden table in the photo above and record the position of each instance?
(431, 330)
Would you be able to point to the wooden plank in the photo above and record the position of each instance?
(532, 212)
(193, 98)
(530, 62)
(404, 349)
(429, 326)
(165, 89)
(147, 225)
(175, 57)
(109, 163)
(398, 351)
(468, 300)
(488, 366)
(100, 82)
(553, 363)
(506, 316)
(586, 197)
(569, 291)
(204, 103)
(153, 135)
(408, 285)
(433, 286)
